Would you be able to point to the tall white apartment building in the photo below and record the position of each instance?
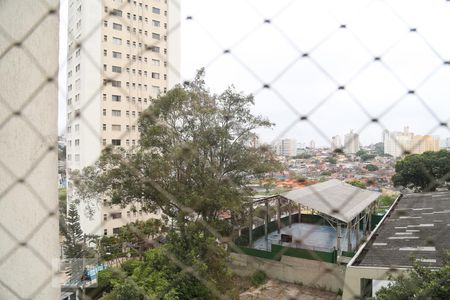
(287, 147)
(121, 55)
(397, 143)
(351, 143)
(336, 143)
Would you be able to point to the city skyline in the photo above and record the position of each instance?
(305, 143)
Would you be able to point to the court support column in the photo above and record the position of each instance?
(250, 227)
(266, 221)
(357, 233)
(299, 213)
(278, 215)
(349, 236)
(338, 237)
(290, 214)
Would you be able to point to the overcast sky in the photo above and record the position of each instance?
(270, 53)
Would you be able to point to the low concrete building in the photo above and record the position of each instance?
(416, 228)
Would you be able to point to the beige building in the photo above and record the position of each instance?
(121, 55)
(397, 143)
(287, 147)
(336, 143)
(351, 143)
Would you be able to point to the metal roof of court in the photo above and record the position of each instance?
(334, 198)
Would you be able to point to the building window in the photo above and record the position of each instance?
(105, 231)
(117, 54)
(105, 52)
(117, 41)
(156, 90)
(115, 142)
(156, 62)
(115, 127)
(104, 127)
(156, 10)
(116, 98)
(117, 26)
(155, 49)
(105, 23)
(156, 23)
(116, 12)
(104, 142)
(128, 214)
(117, 69)
(117, 215)
(77, 157)
(104, 97)
(155, 75)
(77, 142)
(156, 36)
(105, 38)
(116, 83)
(116, 113)
(116, 230)
(105, 217)
(104, 111)
(77, 127)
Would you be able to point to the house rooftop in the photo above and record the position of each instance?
(416, 228)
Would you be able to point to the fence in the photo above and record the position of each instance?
(317, 69)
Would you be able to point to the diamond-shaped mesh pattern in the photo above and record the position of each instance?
(370, 64)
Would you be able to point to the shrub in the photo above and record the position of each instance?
(258, 278)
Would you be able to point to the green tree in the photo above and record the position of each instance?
(358, 183)
(331, 160)
(420, 283)
(379, 148)
(386, 200)
(62, 198)
(194, 163)
(73, 242)
(371, 168)
(426, 171)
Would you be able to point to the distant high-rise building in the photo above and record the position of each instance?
(336, 143)
(351, 143)
(447, 143)
(399, 143)
(121, 55)
(286, 147)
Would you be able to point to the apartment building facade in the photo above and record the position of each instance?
(121, 55)
(351, 143)
(399, 143)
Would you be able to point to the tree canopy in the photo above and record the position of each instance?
(420, 283)
(358, 183)
(194, 158)
(425, 171)
(193, 162)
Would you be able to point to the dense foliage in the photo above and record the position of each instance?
(73, 238)
(425, 171)
(194, 161)
(162, 274)
(358, 184)
(420, 283)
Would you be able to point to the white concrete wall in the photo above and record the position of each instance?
(353, 276)
(292, 269)
(28, 233)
